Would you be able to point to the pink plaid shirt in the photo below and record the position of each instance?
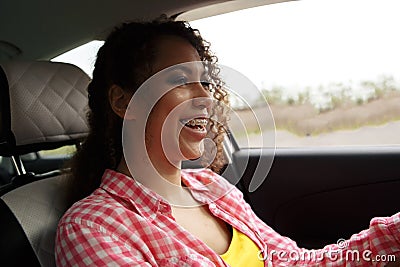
(122, 223)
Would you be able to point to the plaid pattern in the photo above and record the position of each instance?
(125, 224)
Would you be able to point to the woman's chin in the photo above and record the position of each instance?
(192, 155)
(193, 152)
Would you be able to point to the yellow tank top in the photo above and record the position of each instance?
(242, 251)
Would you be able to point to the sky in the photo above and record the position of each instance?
(299, 43)
(309, 42)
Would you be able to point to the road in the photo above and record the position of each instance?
(388, 134)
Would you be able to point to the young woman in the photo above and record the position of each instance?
(139, 208)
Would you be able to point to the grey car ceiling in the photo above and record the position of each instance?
(43, 29)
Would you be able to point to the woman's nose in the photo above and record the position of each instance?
(202, 99)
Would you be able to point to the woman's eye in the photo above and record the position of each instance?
(180, 80)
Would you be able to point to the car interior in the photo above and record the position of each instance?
(315, 196)
(43, 107)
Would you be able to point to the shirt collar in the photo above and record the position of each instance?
(148, 202)
(205, 185)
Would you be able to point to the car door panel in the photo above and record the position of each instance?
(317, 196)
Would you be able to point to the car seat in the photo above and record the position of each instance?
(42, 106)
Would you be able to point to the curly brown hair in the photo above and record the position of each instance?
(125, 60)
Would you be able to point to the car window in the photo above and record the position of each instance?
(65, 151)
(40, 162)
(83, 56)
(328, 69)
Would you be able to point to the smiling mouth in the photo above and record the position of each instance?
(198, 124)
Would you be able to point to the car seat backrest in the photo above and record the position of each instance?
(38, 206)
(42, 106)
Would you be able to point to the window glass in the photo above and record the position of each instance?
(328, 69)
(83, 56)
(65, 151)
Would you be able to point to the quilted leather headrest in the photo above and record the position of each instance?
(42, 106)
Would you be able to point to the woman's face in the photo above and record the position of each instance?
(176, 126)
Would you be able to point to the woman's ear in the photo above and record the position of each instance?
(119, 100)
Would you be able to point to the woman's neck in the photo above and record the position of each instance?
(166, 184)
(143, 169)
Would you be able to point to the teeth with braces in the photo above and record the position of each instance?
(197, 122)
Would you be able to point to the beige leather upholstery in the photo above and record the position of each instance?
(47, 101)
(43, 105)
(38, 207)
